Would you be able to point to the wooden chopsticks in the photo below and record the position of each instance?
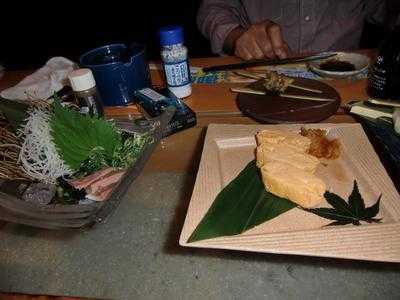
(300, 97)
(247, 91)
(311, 98)
(269, 62)
(305, 88)
(258, 77)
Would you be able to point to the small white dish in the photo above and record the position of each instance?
(360, 62)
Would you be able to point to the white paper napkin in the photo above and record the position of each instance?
(42, 84)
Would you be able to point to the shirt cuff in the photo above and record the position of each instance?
(219, 36)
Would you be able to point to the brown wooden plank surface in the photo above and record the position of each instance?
(214, 98)
(212, 104)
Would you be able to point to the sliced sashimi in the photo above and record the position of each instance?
(88, 180)
(104, 182)
(101, 196)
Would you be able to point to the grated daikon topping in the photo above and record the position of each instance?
(39, 156)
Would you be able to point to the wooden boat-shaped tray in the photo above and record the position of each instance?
(13, 209)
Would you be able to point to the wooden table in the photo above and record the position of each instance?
(213, 104)
(218, 101)
(216, 104)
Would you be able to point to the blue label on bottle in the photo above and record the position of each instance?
(177, 74)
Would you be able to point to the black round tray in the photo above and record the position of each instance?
(272, 108)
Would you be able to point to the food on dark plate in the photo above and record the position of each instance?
(275, 82)
(334, 65)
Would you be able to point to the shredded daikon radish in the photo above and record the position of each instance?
(39, 156)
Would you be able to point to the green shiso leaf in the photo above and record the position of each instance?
(127, 153)
(241, 205)
(76, 136)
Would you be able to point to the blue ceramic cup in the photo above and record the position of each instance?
(119, 71)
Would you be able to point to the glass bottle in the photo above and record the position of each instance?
(86, 94)
(384, 75)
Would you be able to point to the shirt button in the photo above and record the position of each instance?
(307, 18)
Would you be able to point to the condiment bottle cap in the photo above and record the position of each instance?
(81, 79)
(171, 35)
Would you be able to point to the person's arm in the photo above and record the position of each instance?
(260, 40)
(226, 24)
(217, 18)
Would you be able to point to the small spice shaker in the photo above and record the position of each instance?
(175, 61)
(86, 94)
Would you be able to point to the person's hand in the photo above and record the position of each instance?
(261, 40)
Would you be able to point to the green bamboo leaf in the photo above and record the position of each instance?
(373, 210)
(241, 205)
(338, 203)
(356, 202)
(269, 206)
